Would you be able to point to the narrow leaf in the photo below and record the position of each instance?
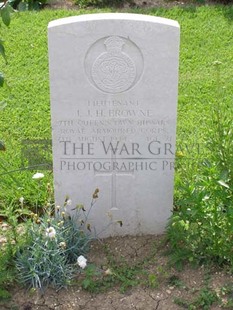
(2, 146)
(2, 104)
(224, 175)
(221, 182)
(120, 223)
(2, 50)
(1, 79)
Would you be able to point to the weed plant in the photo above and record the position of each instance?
(13, 236)
(201, 228)
(7, 271)
(204, 300)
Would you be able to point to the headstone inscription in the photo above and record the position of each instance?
(113, 84)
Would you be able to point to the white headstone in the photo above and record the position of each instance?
(113, 80)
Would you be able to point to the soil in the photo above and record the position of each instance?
(131, 250)
(69, 4)
(127, 4)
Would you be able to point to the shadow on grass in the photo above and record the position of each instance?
(228, 12)
(190, 9)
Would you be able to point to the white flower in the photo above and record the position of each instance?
(38, 176)
(4, 226)
(21, 200)
(50, 232)
(69, 202)
(82, 261)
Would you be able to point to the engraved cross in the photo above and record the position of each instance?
(114, 173)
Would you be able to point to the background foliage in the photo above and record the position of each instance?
(5, 10)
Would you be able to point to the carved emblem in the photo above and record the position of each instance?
(113, 64)
(114, 71)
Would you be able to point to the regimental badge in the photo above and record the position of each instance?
(114, 71)
(114, 64)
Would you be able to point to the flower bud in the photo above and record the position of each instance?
(62, 245)
(108, 272)
(95, 194)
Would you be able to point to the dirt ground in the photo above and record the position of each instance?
(69, 4)
(189, 282)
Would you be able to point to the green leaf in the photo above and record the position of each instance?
(120, 223)
(2, 50)
(10, 6)
(35, 6)
(2, 105)
(21, 212)
(86, 283)
(23, 6)
(2, 146)
(5, 13)
(221, 182)
(224, 174)
(1, 79)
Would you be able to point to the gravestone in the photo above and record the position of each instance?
(113, 81)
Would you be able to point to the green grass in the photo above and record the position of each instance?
(206, 36)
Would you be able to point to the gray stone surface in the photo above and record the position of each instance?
(113, 81)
